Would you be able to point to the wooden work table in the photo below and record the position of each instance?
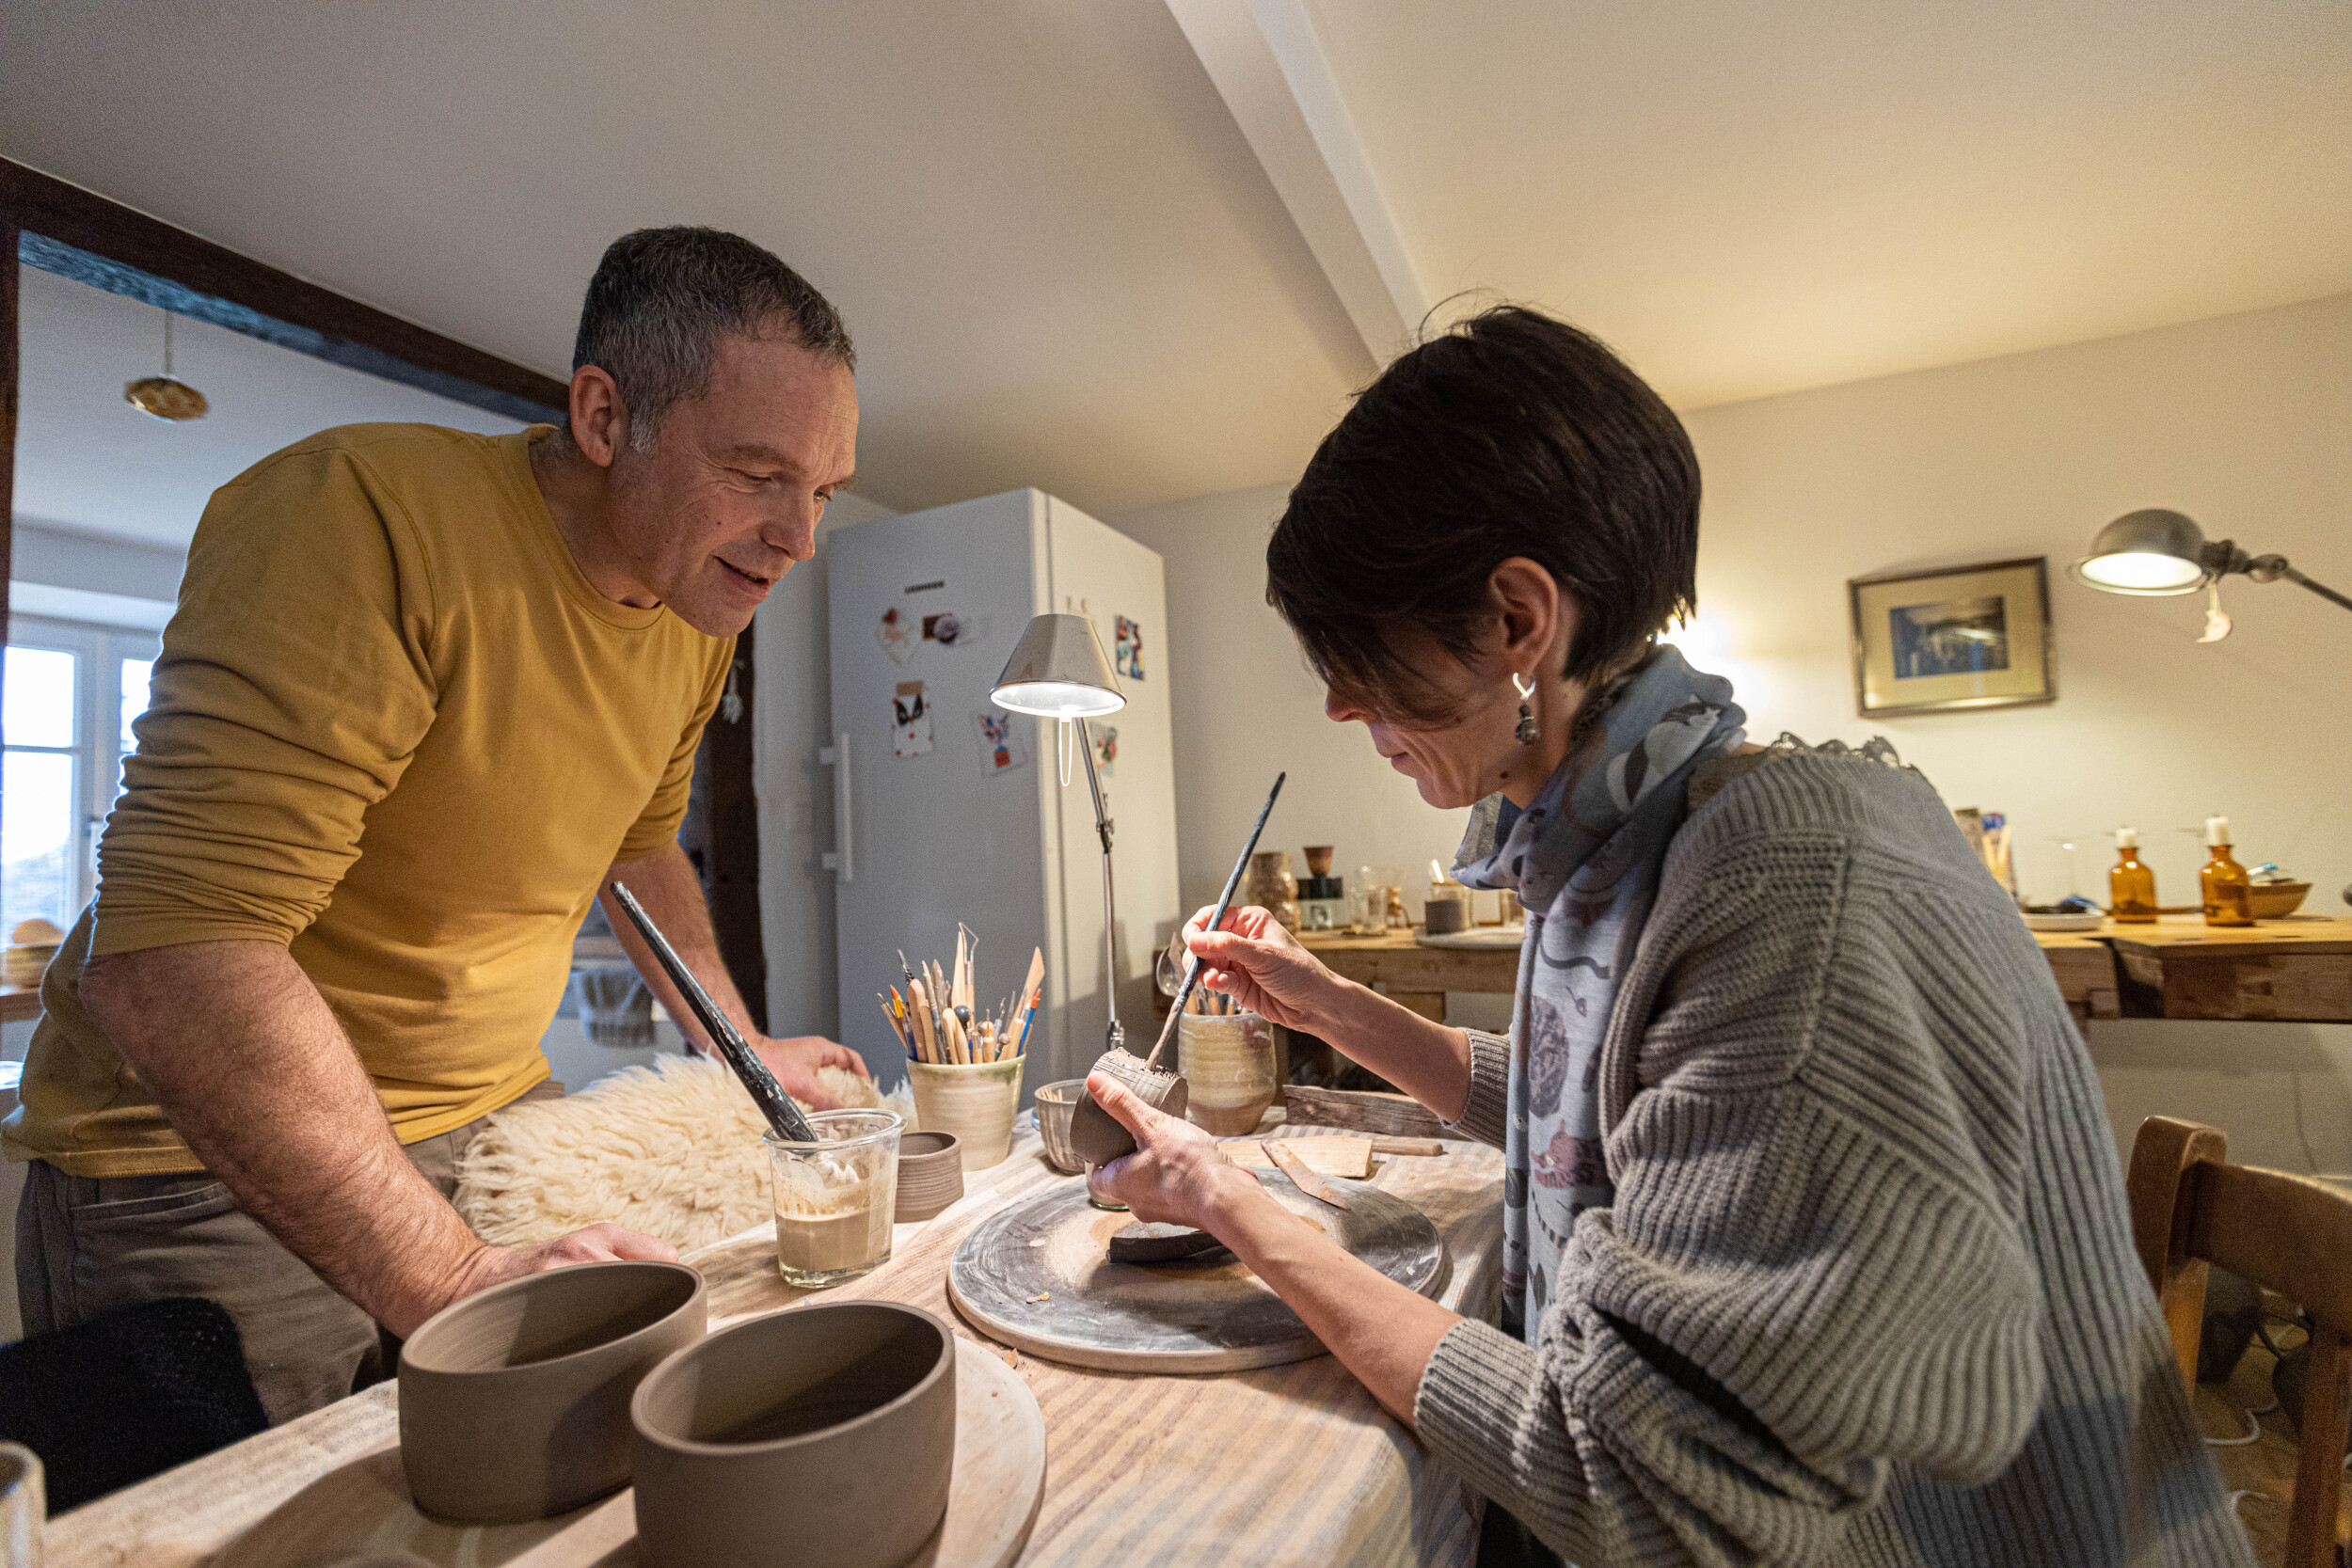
(2294, 967)
(1293, 1464)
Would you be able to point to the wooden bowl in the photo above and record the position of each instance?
(1054, 1104)
(818, 1438)
(514, 1402)
(2277, 900)
(930, 1175)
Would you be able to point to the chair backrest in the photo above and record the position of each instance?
(2287, 1233)
(127, 1395)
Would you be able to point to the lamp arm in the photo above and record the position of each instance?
(2270, 569)
(2321, 589)
(1115, 1036)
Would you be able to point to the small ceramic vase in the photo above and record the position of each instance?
(1272, 887)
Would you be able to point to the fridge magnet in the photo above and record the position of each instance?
(1003, 745)
(942, 628)
(911, 735)
(1106, 748)
(897, 633)
(1953, 640)
(1127, 657)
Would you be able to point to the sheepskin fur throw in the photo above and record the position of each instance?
(671, 1150)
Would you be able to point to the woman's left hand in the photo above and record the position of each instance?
(1176, 1175)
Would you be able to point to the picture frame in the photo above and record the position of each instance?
(1953, 640)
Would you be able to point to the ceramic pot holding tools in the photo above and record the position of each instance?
(1272, 887)
(819, 1437)
(1228, 1063)
(930, 1175)
(975, 1103)
(514, 1402)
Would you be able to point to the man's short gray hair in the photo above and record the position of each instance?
(663, 298)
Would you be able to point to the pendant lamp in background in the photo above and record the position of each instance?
(166, 396)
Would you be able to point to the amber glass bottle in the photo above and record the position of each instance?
(2131, 886)
(2228, 894)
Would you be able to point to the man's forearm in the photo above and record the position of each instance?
(664, 883)
(252, 1068)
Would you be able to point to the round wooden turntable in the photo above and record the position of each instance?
(1037, 1276)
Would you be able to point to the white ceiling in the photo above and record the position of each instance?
(1066, 267)
(86, 460)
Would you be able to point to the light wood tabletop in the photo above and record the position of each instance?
(1280, 1464)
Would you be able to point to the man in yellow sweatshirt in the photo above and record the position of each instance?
(426, 697)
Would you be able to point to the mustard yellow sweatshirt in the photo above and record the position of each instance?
(394, 729)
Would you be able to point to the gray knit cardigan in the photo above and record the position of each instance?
(1867, 1294)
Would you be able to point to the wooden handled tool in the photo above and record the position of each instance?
(1302, 1174)
(1224, 901)
(777, 1106)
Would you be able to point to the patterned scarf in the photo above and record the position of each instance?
(1585, 859)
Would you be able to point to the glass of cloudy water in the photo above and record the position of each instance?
(834, 1198)
(22, 1507)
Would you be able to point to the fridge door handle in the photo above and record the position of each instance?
(839, 860)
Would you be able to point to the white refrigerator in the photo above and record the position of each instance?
(946, 808)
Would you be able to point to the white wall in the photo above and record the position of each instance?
(1246, 708)
(794, 713)
(2242, 422)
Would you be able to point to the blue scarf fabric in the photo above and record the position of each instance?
(1583, 858)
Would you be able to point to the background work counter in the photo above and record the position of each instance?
(1291, 1464)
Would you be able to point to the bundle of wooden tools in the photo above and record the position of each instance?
(935, 1019)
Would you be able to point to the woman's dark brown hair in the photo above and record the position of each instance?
(1510, 434)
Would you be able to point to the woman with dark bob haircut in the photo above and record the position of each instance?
(1815, 1249)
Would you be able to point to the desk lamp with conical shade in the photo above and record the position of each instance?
(1058, 671)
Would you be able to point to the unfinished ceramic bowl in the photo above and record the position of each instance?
(513, 1403)
(930, 1175)
(817, 1438)
(1056, 1103)
(1095, 1135)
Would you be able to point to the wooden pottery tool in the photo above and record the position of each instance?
(1096, 1136)
(1298, 1171)
(1162, 1243)
(1224, 902)
(1038, 1275)
(777, 1106)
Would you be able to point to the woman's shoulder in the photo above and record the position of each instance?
(1792, 791)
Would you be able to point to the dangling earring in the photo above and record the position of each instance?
(1525, 733)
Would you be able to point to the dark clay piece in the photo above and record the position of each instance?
(1095, 1135)
(1160, 1243)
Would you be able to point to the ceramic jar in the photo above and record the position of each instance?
(1230, 1061)
(1272, 887)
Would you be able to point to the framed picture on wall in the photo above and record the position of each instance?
(1953, 640)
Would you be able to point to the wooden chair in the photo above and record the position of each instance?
(2190, 1208)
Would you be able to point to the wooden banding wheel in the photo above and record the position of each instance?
(1037, 1276)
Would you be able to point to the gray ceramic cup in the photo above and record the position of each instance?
(819, 1436)
(513, 1403)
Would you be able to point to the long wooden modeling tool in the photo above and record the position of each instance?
(774, 1104)
(1224, 901)
(1302, 1174)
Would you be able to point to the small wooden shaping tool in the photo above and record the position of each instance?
(1301, 1174)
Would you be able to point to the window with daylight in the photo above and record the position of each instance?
(71, 693)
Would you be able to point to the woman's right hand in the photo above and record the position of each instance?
(1251, 959)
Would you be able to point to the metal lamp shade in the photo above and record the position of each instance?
(2151, 553)
(1058, 671)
